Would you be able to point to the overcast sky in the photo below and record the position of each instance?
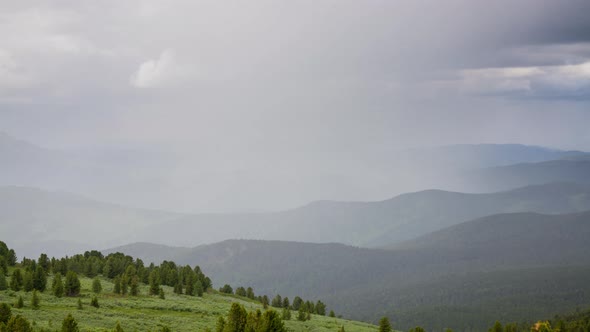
(244, 87)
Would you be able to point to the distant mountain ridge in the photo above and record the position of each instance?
(58, 217)
(374, 224)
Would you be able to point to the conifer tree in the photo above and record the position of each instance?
(94, 302)
(16, 280)
(241, 291)
(417, 329)
(178, 287)
(272, 322)
(134, 287)
(118, 328)
(286, 303)
(57, 286)
(220, 326)
(40, 279)
(72, 284)
(20, 303)
(3, 283)
(286, 314)
(250, 293)
(18, 323)
(332, 314)
(80, 307)
(320, 308)
(297, 303)
(236, 318)
(5, 313)
(69, 324)
(199, 289)
(96, 286)
(35, 301)
(497, 327)
(117, 285)
(384, 325)
(154, 283)
(161, 293)
(124, 285)
(277, 301)
(28, 281)
(301, 314)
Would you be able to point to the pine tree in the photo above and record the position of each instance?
(220, 326)
(16, 280)
(40, 279)
(3, 283)
(154, 281)
(28, 281)
(118, 328)
(297, 303)
(134, 286)
(80, 307)
(286, 303)
(320, 308)
(301, 314)
(124, 285)
(69, 324)
(272, 322)
(264, 301)
(286, 315)
(72, 284)
(161, 293)
(332, 314)
(20, 303)
(96, 285)
(199, 289)
(35, 301)
(57, 286)
(250, 293)
(497, 327)
(236, 318)
(384, 325)
(277, 301)
(18, 323)
(178, 287)
(94, 302)
(117, 285)
(5, 313)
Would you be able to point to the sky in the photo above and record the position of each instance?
(275, 94)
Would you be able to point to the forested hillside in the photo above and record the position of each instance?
(472, 271)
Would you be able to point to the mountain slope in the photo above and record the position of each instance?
(471, 272)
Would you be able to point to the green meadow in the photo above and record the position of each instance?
(150, 313)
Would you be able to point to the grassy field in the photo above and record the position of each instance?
(149, 313)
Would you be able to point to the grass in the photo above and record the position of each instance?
(150, 313)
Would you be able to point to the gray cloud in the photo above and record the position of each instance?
(269, 95)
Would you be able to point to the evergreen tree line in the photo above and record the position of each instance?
(127, 274)
(239, 320)
(307, 307)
